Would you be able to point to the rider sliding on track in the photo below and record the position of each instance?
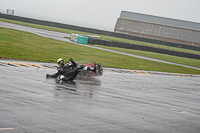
(69, 71)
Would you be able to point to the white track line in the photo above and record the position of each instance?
(1, 129)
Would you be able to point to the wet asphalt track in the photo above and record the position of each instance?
(119, 101)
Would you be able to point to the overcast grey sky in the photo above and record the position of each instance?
(100, 14)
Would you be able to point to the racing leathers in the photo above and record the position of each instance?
(67, 72)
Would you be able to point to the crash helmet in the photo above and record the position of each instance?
(61, 62)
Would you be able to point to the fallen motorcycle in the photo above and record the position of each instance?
(97, 70)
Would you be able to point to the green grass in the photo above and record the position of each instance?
(102, 36)
(21, 45)
(170, 58)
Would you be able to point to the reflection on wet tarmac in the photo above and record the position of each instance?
(119, 101)
(82, 85)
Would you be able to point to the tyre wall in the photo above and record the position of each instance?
(142, 47)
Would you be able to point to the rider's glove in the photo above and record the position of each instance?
(48, 76)
(70, 59)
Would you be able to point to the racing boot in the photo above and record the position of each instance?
(63, 78)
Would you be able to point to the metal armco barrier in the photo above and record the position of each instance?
(96, 31)
(143, 48)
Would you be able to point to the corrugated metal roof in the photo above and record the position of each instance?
(160, 20)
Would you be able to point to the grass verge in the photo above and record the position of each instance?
(170, 58)
(27, 46)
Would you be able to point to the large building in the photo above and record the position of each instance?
(158, 28)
